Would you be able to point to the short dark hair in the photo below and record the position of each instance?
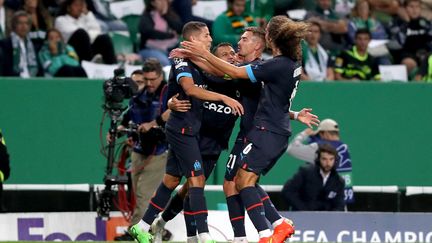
(222, 44)
(152, 65)
(17, 15)
(137, 72)
(363, 32)
(258, 32)
(327, 148)
(191, 27)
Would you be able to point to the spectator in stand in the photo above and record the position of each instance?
(333, 28)
(356, 63)
(343, 8)
(41, 21)
(316, 60)
(230, 25)
(183, 8)
(261, 10)
(385, 10)
(305, 144)
(318, 186)
(81, 30)
(413, 37)
(58, 58)
(159, 27)
(100, 8)
(361, 18)
(18, 57)
(6, 14)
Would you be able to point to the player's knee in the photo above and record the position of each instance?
(245, 179)
(196, 181)
(183, 190)
(171, 182)
(229, 188)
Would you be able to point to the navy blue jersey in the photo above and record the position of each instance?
(218, 119)
(185, 122)
(250, 93)
(281, 76)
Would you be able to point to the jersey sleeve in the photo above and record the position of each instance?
(181, 69)
(260, 71)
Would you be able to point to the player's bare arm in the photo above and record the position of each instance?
(199, 61)
(197, 49)
(191, 90)
(175, 104)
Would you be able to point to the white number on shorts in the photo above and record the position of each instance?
(247, 149)
(231, 161)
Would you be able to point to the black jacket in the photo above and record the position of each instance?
(305, 190)
(6, 57)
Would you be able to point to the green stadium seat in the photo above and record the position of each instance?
(132, 21)
(122, 43)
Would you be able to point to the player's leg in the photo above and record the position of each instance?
(234, 203)
(281, 226)
(190, 162)
(174, 207)
(258, 157)
(157, 203)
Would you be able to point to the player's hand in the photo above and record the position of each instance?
(306, 117)
(175, 104)
(179, 53)
(236, 107)
(195, 48)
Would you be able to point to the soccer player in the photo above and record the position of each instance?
(182, 129)
(216, 127)
(268, 140)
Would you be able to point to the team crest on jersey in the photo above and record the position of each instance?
(197, 166)
(297, 72)
(339, 62)
(179, 62)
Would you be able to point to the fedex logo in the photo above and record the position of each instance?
(30, 229)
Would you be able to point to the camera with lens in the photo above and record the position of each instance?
(117, 89)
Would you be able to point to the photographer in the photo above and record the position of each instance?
(147, 109)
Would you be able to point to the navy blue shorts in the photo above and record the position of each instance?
(261, 151)
(209, 162)
(184, 157)
(232, 164)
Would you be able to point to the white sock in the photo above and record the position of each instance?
(240, 239)
(143, 226)
(192, 239)
(277, 222)
(265, 233)
(162, 222)
(204, 236)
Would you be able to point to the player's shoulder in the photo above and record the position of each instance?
(179, 63)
